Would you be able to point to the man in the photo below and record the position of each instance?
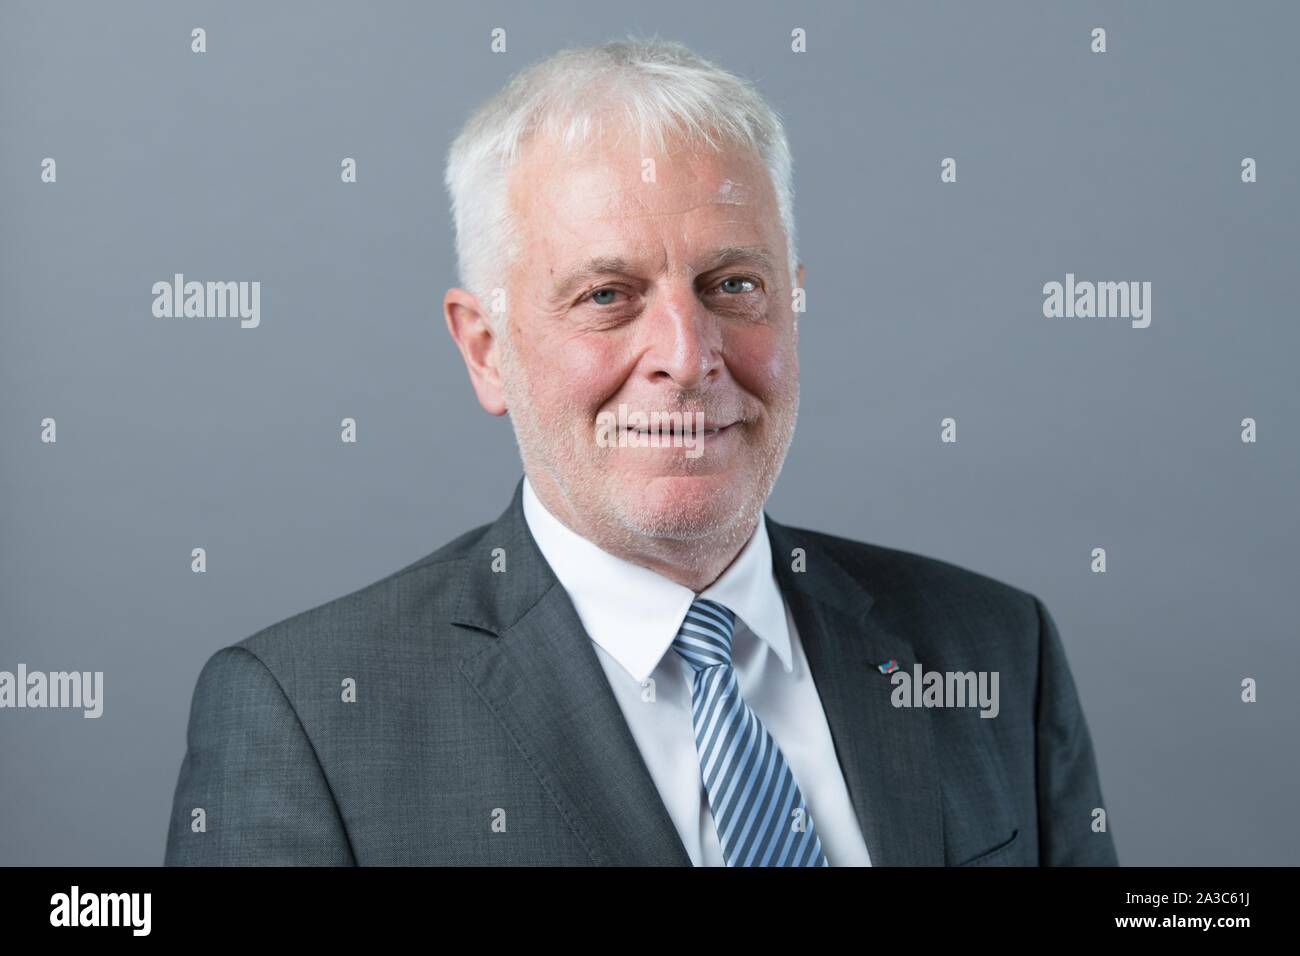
(633, 664)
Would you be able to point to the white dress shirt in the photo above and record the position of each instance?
(632, 614)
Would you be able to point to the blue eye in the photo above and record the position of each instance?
(735, 280)
(600, 292)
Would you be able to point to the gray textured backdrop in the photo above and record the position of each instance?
(924, 301)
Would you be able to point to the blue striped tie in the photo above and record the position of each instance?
(751, 790)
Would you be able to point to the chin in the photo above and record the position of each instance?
(683, 507)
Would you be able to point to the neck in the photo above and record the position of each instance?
(695, 563)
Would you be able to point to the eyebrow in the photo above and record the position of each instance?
(599, 266)
(591, 269)
(736, 255)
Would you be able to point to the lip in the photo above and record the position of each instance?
(710, 430)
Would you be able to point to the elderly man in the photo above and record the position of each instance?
(633, 664)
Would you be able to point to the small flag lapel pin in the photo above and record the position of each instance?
(888, 667)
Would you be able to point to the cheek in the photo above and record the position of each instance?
(579, 372)
(763, 360)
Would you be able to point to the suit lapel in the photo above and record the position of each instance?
(886, 753)
(541, 679)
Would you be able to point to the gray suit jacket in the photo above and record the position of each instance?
(479, 700)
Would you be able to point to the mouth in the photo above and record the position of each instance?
(673, 430)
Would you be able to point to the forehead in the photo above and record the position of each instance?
(615, 193)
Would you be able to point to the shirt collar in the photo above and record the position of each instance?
(634, 613)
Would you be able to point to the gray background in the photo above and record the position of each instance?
(924, 301)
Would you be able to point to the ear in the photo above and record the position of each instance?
(470, 326)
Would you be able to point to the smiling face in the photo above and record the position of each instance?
(666, 296)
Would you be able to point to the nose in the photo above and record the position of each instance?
(683, 341)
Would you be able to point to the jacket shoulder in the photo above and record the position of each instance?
(926, 595)
(896, 567)
(953, 618)
(416, 596)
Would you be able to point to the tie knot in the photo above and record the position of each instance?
(704, 638)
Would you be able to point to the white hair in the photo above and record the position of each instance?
(656, 87)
